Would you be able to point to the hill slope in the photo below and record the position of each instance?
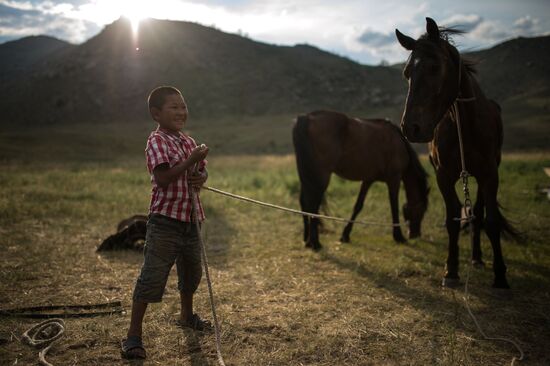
(18, 57)
(106, 78)
(228, 79)
(519, 67)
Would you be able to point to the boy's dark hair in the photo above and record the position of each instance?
(158, 95)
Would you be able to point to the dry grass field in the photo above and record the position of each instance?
(371, 302)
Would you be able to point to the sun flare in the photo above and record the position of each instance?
(135, 12)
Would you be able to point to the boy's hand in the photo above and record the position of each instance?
(197, 179)
(198, 153)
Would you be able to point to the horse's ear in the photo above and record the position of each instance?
(432, 29)
(405, 41)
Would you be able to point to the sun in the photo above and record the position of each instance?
(135, 12)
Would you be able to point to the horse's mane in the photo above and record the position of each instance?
(446, 35)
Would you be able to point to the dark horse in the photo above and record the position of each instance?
(438, 79)
(364, 150)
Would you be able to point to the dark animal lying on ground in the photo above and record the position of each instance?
(130, 235)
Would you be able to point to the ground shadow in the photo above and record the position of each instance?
(216, 233)
(422, 300)
(194, 350)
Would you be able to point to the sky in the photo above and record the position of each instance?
(362, 30)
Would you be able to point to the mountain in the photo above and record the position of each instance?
(107, 78)
(516, 68)
(18, 57)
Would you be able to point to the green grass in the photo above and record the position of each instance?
(369, 302)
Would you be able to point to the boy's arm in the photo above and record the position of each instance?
(164, 174)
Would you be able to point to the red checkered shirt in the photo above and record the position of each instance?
(173, 201)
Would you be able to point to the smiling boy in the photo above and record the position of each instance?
(171, 237)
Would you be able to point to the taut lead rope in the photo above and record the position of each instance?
(291, 210)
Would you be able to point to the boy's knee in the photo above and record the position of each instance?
(189, 282)
(150, 285)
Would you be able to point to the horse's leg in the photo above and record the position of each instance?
(493, 227)
(356, 209)
(452, 209)
(393, 190)
(479, 212)
(312, 199)
(303, 206)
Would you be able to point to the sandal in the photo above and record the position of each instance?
(195, 323)
(132, 348)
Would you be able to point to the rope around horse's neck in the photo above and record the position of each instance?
(470, 217)
(207, 274)
(309, 214)
(31, 337)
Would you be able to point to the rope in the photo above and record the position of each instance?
(207, 274)
(309, 214)
(470, 217)
(46, 333)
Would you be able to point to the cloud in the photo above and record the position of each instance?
(376, 39)
(526, 25)
(495, 31)
(32, 19)
(11, 15)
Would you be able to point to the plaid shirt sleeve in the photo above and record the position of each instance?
(156, 152)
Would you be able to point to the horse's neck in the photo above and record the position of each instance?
(469, 87)
(412, 187)
(469, 98)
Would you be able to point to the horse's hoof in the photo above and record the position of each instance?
(400, 239)
(450, 282)
(501, 283)
(478, 263)
(315, 246)
(414, 235)
(345, 239)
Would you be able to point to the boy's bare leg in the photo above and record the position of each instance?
(138, 312)
(186, 306)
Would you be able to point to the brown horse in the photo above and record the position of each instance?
(366, 150)
(439, 78)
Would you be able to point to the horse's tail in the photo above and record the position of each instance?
(508, 231)
(305, 162)
(308, 170)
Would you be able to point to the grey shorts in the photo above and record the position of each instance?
(168, 241)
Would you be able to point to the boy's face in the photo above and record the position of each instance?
(173, 114)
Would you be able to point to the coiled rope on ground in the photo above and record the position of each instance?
(46, 333)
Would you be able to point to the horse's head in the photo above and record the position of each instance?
(432, 72)
(414, 213)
